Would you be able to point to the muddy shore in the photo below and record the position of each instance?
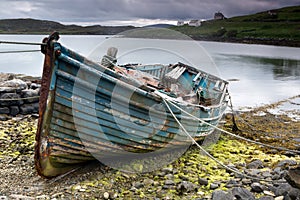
(192, 176)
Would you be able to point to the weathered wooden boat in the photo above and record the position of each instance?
(90, 110)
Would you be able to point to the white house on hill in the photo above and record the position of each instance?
(195, 22)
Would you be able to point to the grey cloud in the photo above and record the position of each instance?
(103, 10)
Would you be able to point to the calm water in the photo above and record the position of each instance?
(258, 74)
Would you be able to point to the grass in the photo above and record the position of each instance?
(284, 25)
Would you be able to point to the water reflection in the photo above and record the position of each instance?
(283, 69)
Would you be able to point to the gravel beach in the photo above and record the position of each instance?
(262, 170)
(192, 176)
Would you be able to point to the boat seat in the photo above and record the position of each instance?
(174, 74)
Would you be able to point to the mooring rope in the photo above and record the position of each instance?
(19, 99)
(234, 135)
(22, 43)
(208, 154)
(20, 51)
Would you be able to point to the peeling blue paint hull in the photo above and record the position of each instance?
(88, 111)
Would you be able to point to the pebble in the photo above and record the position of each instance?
(257, 187)
(106, 195)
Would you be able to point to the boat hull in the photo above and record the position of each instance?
(90, 112)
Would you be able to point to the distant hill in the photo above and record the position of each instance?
(159, 26)
(276, 27)
(34, 26)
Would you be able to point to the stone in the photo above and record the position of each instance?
(279, 198)
(4, 110)
(266, 174)
(31, 95)
(138, 185)
(18, 196)
(148, 181)
(242, 194)
(3, 198)
(169, 176)
(14, 85)
(34, 86)
(294, 193)
(14, 110)
(255, 164)
(253, 172)
(266, 198)
(3, 117)
(284, 163)
(10, 99)
(221, 195)
(213, 186)
(169, 182)
(186, 186)
(283, 189)
(106, 195)
(26, 109)
(203, 181)
(293, 177)
(256, 187)
(167, 170)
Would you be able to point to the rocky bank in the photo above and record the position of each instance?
(192, 176)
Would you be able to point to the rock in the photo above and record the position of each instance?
(246, 181)
(266, 174)
(221, 195)
(256, 187)
(294, 193)
(185, 186)
(232, 183)
(15, 85)
(3, 198)
(203, 181)
(14, 110)
(4, 110)
(27, 109)
(266, 198)
(283, 189)
(148, 181)
(167, 170)
(106, 195)
(3, 117)
(279, 198)
(169, 182)
(242, 194)
(269, 193)
(213, 186)
(18, 196)
(255, 164)
(10, 99)
(169, 176)
(42, 197)
(253, 172)
(34, 86)
(293, 177)
(286, 163)
(138, 185)
(31, 95)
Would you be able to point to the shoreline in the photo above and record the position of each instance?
(259, 41)
(192, 176)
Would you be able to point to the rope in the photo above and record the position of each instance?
(234, 135)
(22, 43)
(203, 150)
(18, 99)
(19, 51)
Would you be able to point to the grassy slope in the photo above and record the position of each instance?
(262, 26)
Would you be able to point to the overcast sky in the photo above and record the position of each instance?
(135, 12)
